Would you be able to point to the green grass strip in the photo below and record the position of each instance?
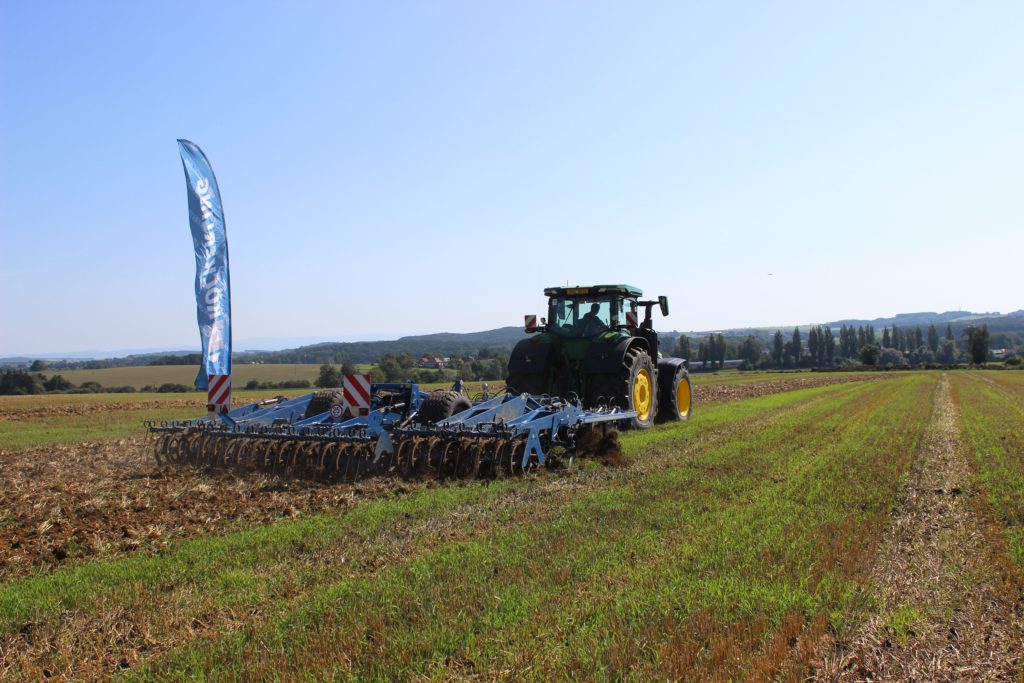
(991, 423)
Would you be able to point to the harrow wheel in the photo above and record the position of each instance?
(404, 453)
(232, 452)
(515, 461)
(166, 449)
(446, 461)
(467, 466)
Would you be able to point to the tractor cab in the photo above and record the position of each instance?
(586, 312)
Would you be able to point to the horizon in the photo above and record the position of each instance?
(291, 343)
(394, 168)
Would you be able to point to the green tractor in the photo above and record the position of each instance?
(593, 345)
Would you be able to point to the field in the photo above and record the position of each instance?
(837, 527)
(156, 375)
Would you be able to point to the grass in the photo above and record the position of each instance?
(992, 414)
(725, 539)
(30, 421)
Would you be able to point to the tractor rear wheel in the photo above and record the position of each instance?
(632, 388)
(675, 399)
(441, 404)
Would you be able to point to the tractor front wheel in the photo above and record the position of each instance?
(676, 395)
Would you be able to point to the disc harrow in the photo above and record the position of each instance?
(506, 434)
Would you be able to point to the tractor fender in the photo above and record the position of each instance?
(606, 357)
(530, 357)
(667, 368)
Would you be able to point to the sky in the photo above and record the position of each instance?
(394, 168)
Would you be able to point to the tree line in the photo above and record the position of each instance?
(851, 346)
(21, 382)
(486, 365)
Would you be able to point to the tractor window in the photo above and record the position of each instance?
(581, 317)
(629, 306)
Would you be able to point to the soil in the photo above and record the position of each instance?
(68, 502)
(712, 393)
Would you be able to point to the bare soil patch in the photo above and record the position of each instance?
(945, 611)
(68, 502)
(713, 393)
(77, 409)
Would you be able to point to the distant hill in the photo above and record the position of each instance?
(916, 319)
(440, 343)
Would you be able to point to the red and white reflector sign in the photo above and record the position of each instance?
(355, 394)
(631, 318)
(531, 323)
(218, 396)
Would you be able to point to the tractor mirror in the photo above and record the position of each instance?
(663, 304)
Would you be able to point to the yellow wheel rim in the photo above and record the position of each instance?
(642, 395)
(683, 398)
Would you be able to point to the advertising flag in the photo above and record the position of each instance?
(209, 237)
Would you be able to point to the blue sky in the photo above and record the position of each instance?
(408, 167)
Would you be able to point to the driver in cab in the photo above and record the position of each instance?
(591, 323)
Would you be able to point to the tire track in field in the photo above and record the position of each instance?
(942, 615)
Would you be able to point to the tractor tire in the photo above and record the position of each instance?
(524, 383)
(632, 388)
(322, 402)
(441, 404)
(675, 396)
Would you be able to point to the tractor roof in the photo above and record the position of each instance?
(594, 290)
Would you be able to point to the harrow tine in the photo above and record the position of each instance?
(234, 452)
(445, 465)
(500, 466)
(415, 459)
(310, 456)
(517, 451)
(468, 464)
(431, 458)
(403, 457)
(162, 447)
(191, 448)
(207, 446)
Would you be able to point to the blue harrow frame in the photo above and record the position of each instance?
(509, 432)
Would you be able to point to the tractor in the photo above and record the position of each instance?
(593, 346)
